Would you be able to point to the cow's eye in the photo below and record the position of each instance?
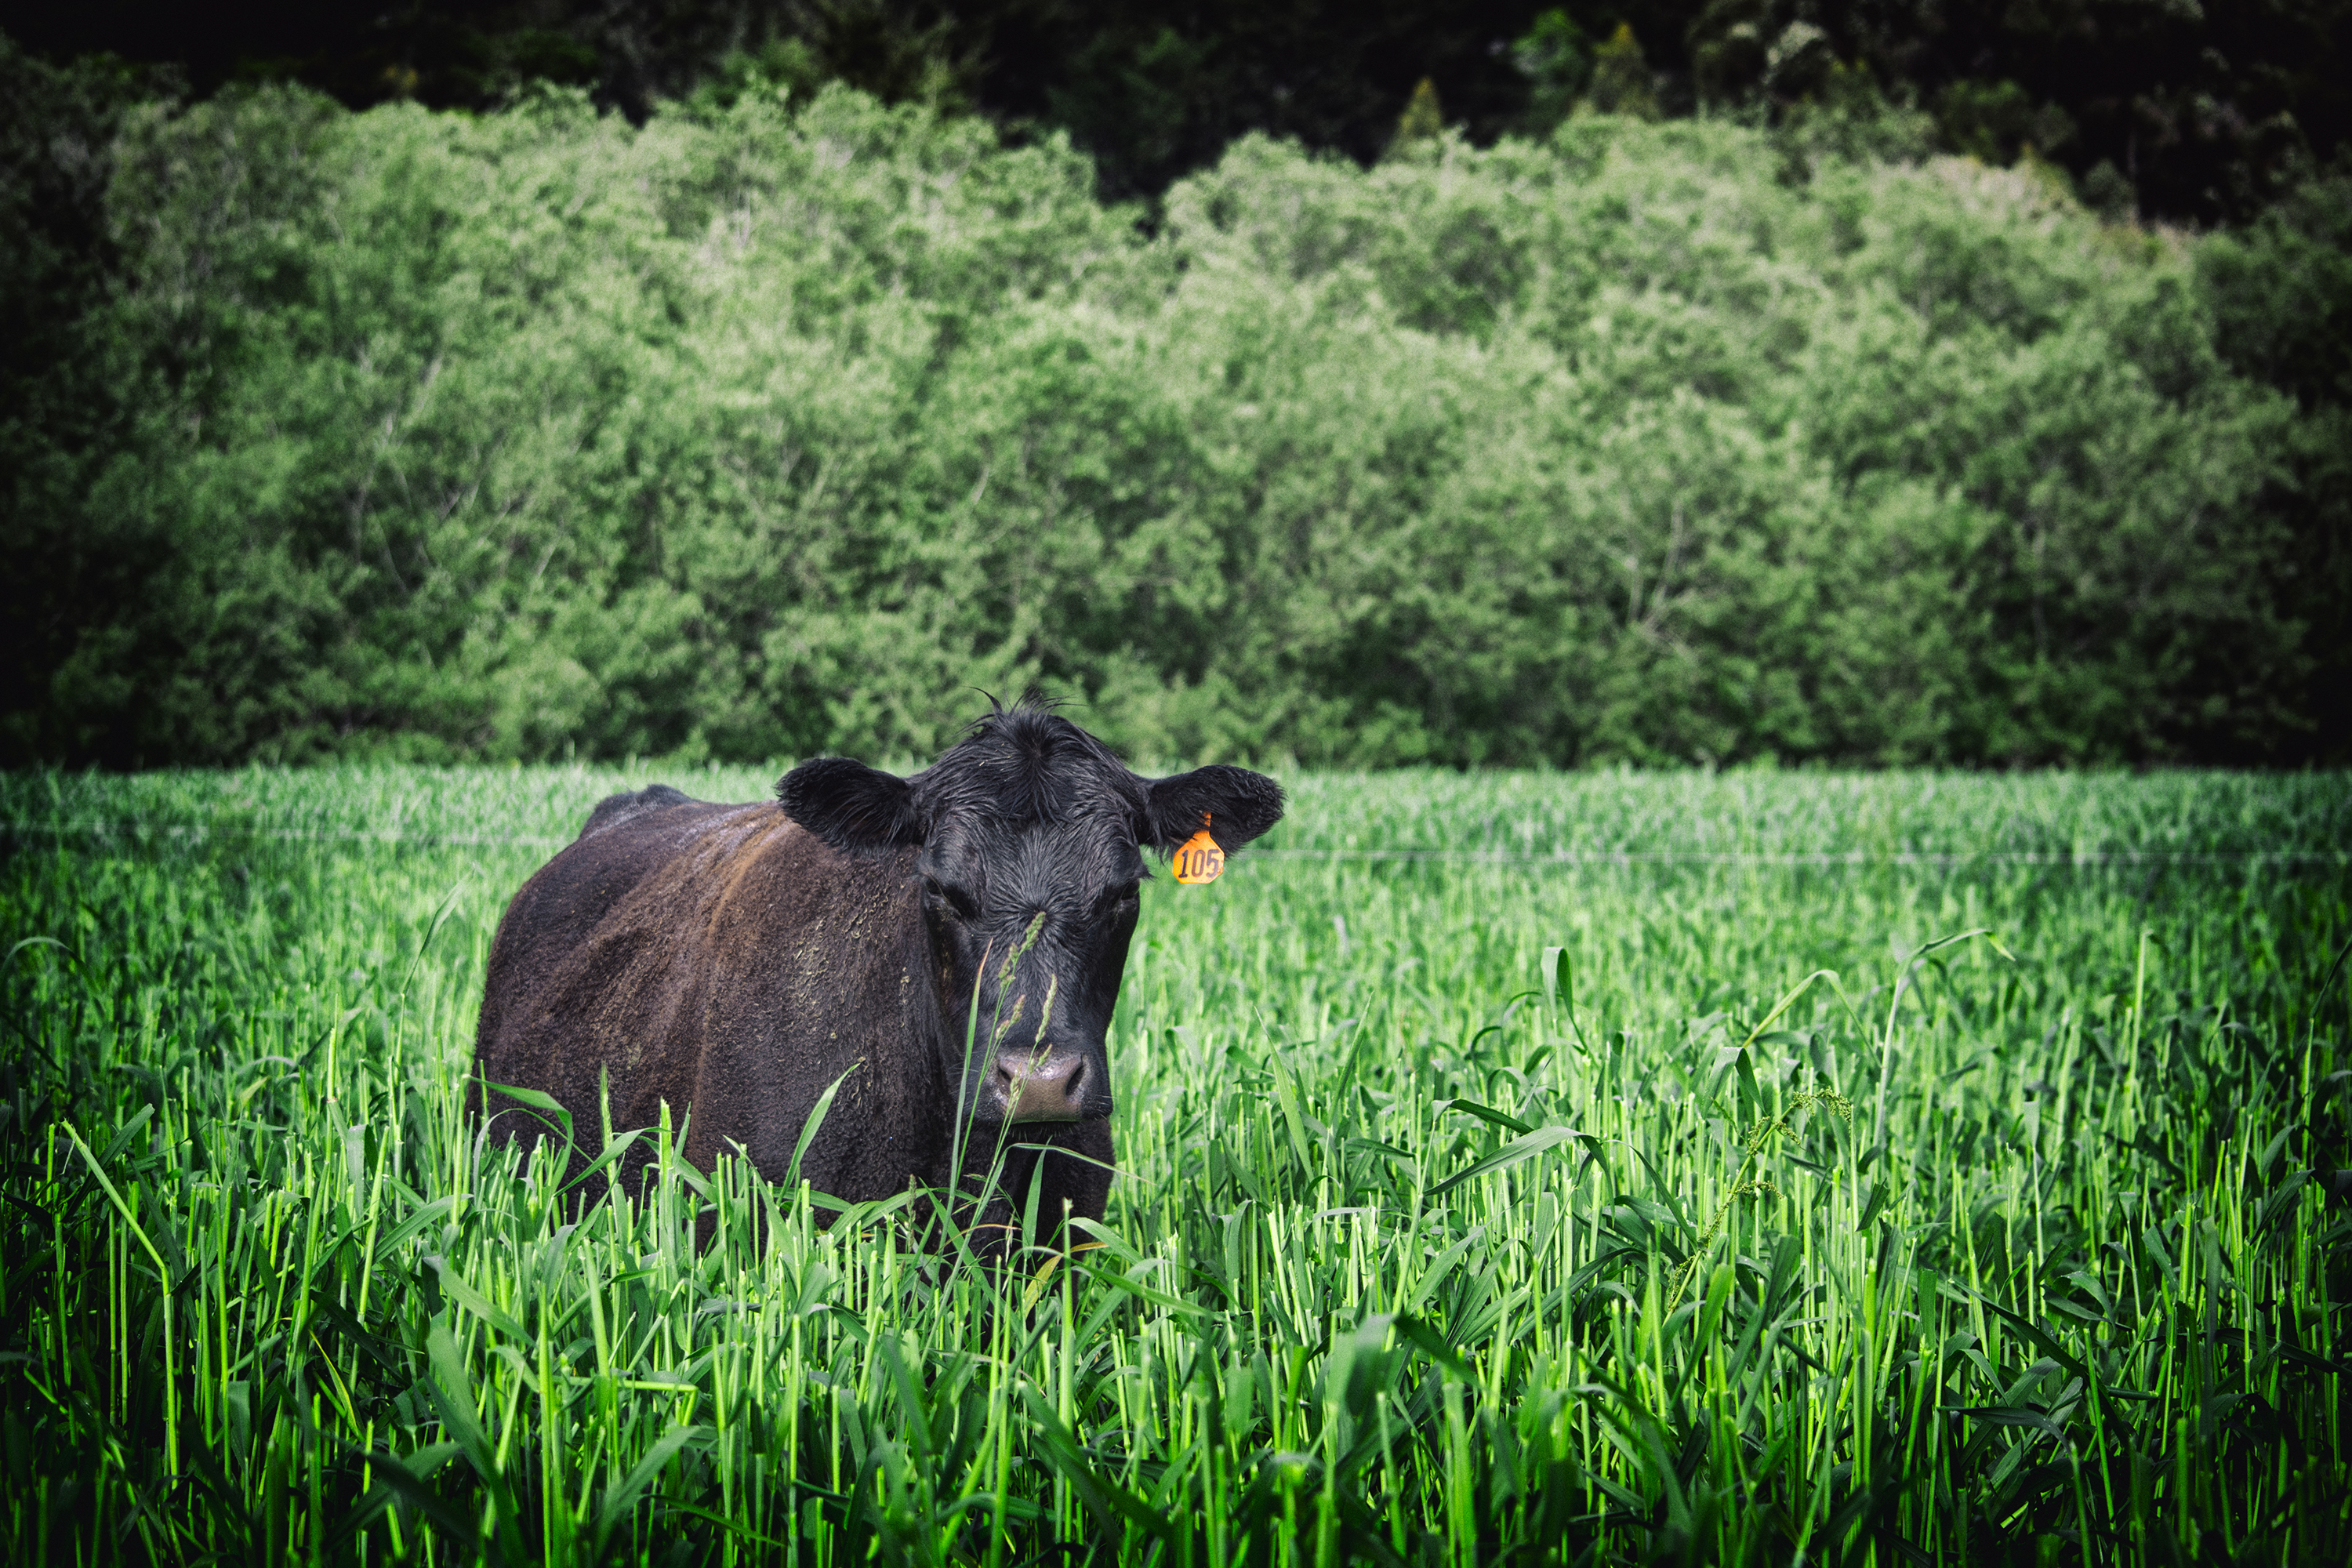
(954, 898)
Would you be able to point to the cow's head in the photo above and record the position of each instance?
(1026, 837)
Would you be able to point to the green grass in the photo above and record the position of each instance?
(2014, 1252)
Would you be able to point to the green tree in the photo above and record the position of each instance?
(1423, 118)
(2281, 292)
(1555, 59)
(64, 398)
(775, 424)
(1621, 81)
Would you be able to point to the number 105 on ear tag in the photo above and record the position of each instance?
(1199, 859)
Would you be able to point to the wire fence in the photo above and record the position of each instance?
(192, 833)
(1830, 857)
(198, 833)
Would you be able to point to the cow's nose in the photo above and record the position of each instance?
(1033, 1087)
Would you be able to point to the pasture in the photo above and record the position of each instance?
(1428, 1243)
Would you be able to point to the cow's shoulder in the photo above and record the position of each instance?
(558, 918)
(628, 840)
(615, 810)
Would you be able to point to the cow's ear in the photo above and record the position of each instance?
(1237, 804)
(853, 808)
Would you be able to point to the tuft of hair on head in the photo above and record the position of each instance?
(1023, 761)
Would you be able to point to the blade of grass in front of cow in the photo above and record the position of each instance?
(2086, 1287)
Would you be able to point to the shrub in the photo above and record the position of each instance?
(766, 430)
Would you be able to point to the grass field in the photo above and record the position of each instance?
(2029, 1246)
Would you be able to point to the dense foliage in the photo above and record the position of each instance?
(764, 429)
(1424, 1248)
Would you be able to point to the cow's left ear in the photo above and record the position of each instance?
(1237, 804)
(856, 809)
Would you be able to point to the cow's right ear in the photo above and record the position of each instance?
(856, 809)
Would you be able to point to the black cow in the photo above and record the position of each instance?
(735, 960)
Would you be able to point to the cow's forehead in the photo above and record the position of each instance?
(1092, 846)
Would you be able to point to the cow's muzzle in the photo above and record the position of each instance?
(1037, 1085)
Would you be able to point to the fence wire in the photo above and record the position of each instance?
(1933, 859)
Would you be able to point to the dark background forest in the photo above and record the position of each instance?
(1861, 380)
(2203, 111)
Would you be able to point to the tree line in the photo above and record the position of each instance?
(780, 421)
(2180, 111)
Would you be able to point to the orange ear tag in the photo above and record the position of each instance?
(1200, 860)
